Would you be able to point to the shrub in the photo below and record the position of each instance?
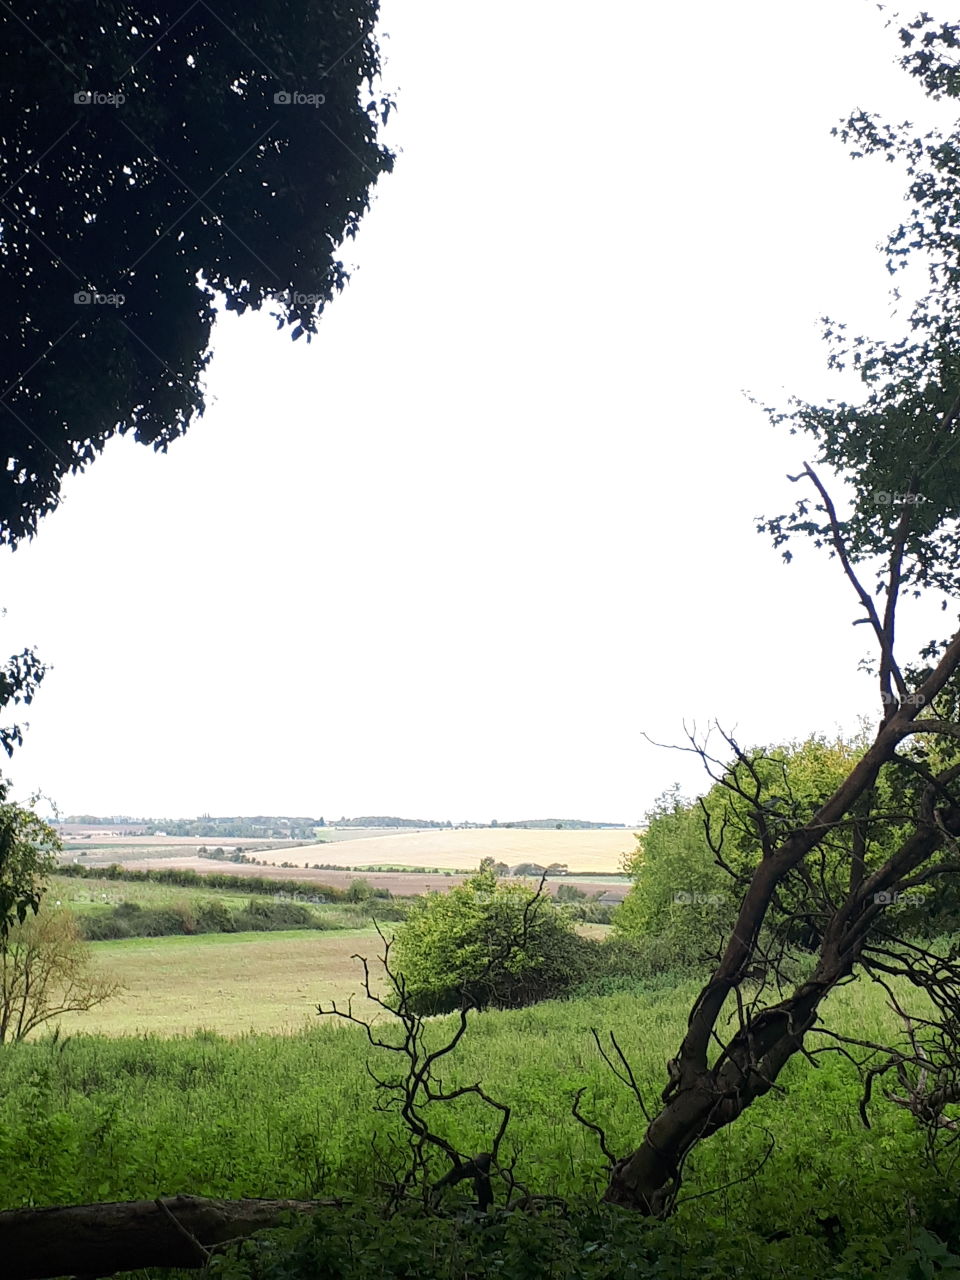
(473, 943)
(262, 915)
(104, 926)
(215, 917)
(360, 890)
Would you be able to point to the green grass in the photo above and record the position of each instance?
(100, 893)
(225, 982)
(259, 1115)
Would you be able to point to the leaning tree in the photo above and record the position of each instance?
(894, 820)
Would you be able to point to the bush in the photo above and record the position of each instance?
(469, 943)
(161, 922)
(360, 890)
(215, 917)
(104, 926)
(262, 915)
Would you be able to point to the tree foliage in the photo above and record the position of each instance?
(891, 824)
(463, 945)
(153, 158)
(46, 970)
(28, 849)
(695, 860)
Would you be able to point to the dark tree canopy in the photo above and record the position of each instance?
(152, 155)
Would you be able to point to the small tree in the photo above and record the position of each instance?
(359, 890)
(28, 849)
(454, 948)
(45, 971)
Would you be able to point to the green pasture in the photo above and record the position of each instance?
(99, 1118)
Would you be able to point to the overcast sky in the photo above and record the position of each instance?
(454, 557)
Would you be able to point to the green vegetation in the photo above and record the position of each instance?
(165, 902)
(187, 878)
(490, 943)
(92, 1119)
(28, 849)
(45, 972)
(230, 983)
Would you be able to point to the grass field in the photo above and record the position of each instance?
(233, 983)
(107, 1119)
(229, 983)
(97, 892)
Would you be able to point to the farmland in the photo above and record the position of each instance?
(581, 851)
(227, 983)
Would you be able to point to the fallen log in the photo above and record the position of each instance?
(93, 1240)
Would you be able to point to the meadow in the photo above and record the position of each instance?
(228, 983)
(235, 983)
(94, 1118)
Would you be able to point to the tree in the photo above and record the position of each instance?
(28, 848)
(899, 804)
(46, 970)
(695, 859)
(461, 946)
(154, 159)
(22, 834)
(359, 890)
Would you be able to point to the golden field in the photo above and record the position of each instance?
(462, 850)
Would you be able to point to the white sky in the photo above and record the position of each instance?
(449, 560)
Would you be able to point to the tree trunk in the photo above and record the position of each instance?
(93, 1240)
(699, 1098)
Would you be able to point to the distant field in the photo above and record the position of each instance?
(125, 847)
(582, 851)
(230, 983)
(462, 850)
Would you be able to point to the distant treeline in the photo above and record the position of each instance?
(259, 827)
(560, 824)
(279, 827)
(185, 878)
(393, 822)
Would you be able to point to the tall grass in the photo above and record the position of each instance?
(98, 1119)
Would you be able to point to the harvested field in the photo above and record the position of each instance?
(448, 850)
(582, 851)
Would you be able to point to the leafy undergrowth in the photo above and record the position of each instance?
(91, 1119)
(579, 1242)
